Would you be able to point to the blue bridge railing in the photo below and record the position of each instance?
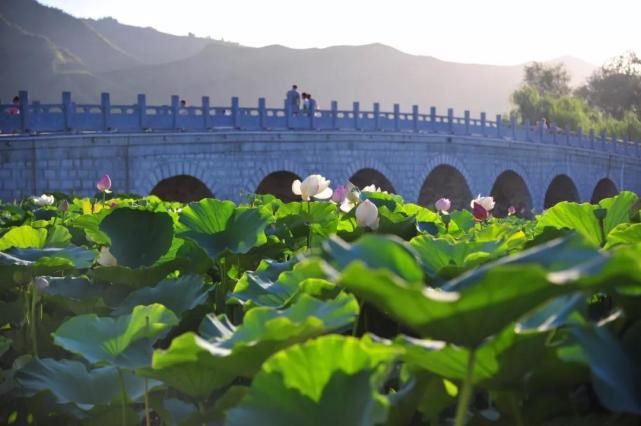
(68, 117)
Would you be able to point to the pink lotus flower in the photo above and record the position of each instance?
(511, 210)
(104, 184)
(339, 194)
(443, 205)
(479, 212)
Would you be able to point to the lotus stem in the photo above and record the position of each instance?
(145, 382)
(515, 410)
(466, 392)
(32, 319)
(309, 227)
(123, 391)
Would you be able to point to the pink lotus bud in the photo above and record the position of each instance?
(443, 205)
(479, 212)
(511, 210)
(104, 184)
(63, 206)
(339, 194)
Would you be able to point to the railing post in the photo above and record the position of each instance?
(334, 106)
(541, 130)
(513, 125)
(142, 111)
(288, 115)
(591, 138)
(567, 135)
(235, 112)
(356, 111)
(450, 120)
(262, 113)
(433, 118)
(579, 137)
(24, 111)
(483, 124)
(66, 110)
(526, 124)
(554, 132)
(397, 117)
(105, 108)
(613, 140)
(604, 146)
(35, 114)
(175, 102)
(466, 121)
(377, 111)
(499, 126)
(312, 116)
(415, 117)
(205, 106)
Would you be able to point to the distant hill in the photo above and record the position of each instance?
(148, 45)
(49, 51)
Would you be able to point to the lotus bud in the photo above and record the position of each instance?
(44, 200)
(41, 283)
(479, 212)
(367, 215)
(104, 184)
(312, 186)
(486, 202)
(443, 205)
(511, 211)
(339, 194)
(63, 206)
(105, 258)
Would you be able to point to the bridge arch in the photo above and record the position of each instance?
(368, 176)
(445, 181)
(560, 188)
(511, 190)
(148, 175)
(183, 188)
(279, 184)
(603, 189)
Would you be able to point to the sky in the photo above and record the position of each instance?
(501, 32)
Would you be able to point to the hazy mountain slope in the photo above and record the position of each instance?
(148, 45)
(67, 32)
(365, 73)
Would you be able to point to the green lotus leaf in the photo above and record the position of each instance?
(137, 277)
(332, 380)
(138, 237)
(23, 237)
(90, 225)
(75, 294)
(70, 382)
(295, 220)
(178, 295)
(219, 227)
(624, 234)
(481, 303)
(5, 344)
(377, 252)
(197, 366)
(124, 341)
(274, 284)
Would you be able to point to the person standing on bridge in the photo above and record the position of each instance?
(311, 104)
(293, 99)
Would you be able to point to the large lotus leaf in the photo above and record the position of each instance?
(5, 344)
(615, 375)
(218, 227)
(90, 224)
(396, 223)
(70, 382)
(422, 214)
(23, 237)
(582, 219)
(479, 304)
(11, 215)
(76, 294)
(441, 256)
(392, 202)
(138, 238)
(333, 380)
(178, 295)
(624, 234)
(294, 221)
(58, 236)
(619, 209)
(274, 284)
(376, 252)
(124, 341)
(137, 277)
(511, 361)
(197, 366)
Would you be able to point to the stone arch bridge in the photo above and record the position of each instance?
(187, 153)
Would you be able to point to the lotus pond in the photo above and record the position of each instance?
(122, 310)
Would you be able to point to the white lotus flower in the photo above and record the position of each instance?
(373, 188)
(44, 200)
(486, 202)
(367, 215)
(105, 258)
(312, 186)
